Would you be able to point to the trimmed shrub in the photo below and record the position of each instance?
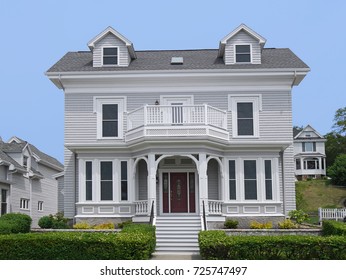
(133, 244)
(104, 226)
(287, 224)
(15, 223)
(298, 215)
(82, 225)
(57, 221)
(257, 225)
(216, 245)
(231, 224)
(333, 228)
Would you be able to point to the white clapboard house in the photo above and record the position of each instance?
(179, 136)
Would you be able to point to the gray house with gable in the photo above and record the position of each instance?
(180, 134)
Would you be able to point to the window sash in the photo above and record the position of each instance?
(232, 180)
(268, 179)
(245, 118)
(124, 183)
(106, 180)
(243, 53)
(88, 181)
(110, 56)
(250, 179)
(110, 120)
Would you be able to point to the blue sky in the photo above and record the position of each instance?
(35, 34)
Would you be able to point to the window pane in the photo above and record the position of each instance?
(242, 49)
(232, 180)
(243, 58)
(298, 164)
(124, 170)
(110, 60)
(88, 170)
(106, 190)
(250, 169)
(124, 190)
(245, 110)
(245, 127)
(268, 169)
(110, 51)
(110, 111)
(110, 129)
(250, 189)
(88, 190)
(106, 170)
(269, 189)
(232, 169)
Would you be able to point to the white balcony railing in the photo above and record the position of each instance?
(156, 120)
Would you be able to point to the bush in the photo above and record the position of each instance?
(338, 170)
(257, 225)
(287, 224)
(57, 221)
(298, 215)
(104, 226)
(333, 228)
(45, 222)
(216, 245)
(82, 225)
(137, 243)
(121, 225)
(229, 224)
(15, 223)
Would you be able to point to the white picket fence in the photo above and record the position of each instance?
(331, 214)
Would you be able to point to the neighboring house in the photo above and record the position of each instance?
(185, 131)
(27, 183)
(309, 153)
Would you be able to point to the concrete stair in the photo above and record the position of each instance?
(177, 235)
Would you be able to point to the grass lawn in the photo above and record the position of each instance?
(317, 193)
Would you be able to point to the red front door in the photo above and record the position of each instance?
(178, 184)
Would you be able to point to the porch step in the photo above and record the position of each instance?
(177, 234)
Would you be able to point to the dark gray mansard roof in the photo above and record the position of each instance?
(282, 58)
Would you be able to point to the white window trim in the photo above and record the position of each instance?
(96, 180)
(260, 178)
(102, 55)
(256, 100)
(99, 101)
(40, 206)
(24, 204)
(235, 53)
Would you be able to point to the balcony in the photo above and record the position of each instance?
(183, 121)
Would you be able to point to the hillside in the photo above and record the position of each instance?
(316, 193)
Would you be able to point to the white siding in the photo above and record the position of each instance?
(69, 184)
(111, 41)
(289, 187)
(242, 38)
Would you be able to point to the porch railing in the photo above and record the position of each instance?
(141, 207)
(331, 214)
(164, 115)
(215, 207)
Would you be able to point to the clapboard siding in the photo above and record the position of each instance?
(81, 120)
(242, 38)
(69, 184)
(289, 188)
(110, 41)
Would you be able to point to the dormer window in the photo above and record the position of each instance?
(243, 53)
(25, 161)
(110, 56)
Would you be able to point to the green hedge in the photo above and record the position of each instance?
(136, 244)
(333, 228)
(15, 223)
(216, 245)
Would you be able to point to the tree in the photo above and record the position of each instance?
(335, 145)
(340, 121)
(338, 171)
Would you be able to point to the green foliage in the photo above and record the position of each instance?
(216, 245)
(335, 145)
(333, 228)
(82, 225)
(338, 171)
(229, 224)
(340, 121)
(298, 215)
(121, 225)
(287, 224)
(137, 243)
(15, 223)
(257, 225)
(57, 221)
(104, 226)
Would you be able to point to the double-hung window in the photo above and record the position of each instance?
(110, 56)
(106, 182)
(250, 179)
(243, 53)
(309, 146)
(232, 180)
(109, 117)
(124, 191)
(245, 114)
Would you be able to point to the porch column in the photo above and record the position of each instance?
(203, 183)
(152, 183)
(223, 179)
